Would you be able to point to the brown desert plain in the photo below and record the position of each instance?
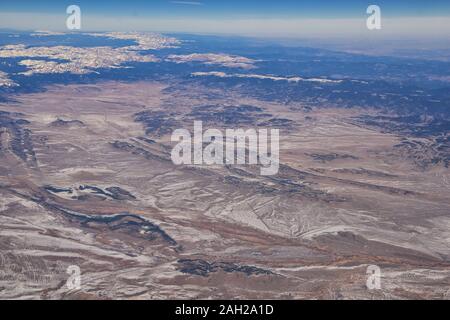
(86, 179)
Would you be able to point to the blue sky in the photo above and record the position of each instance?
(235, 8)
(290, 18)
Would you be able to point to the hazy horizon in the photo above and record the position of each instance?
(292, 19)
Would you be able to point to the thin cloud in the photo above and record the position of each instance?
(189, 3)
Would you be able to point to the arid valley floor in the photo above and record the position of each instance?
(86, 179)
